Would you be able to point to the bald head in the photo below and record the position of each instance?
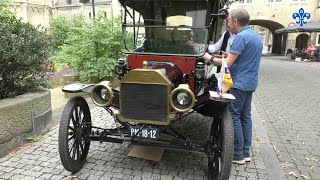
(241, 15)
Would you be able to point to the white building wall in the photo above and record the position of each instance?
(40, 12)
(281, 12)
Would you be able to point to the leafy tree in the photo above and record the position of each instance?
(23, 52)
(5, 8)
(91, 48)
(59, 29)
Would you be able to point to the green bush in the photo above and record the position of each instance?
(92, 48)
(23, 57)
(59, 29)
(5, 8)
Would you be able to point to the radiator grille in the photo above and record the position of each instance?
(144, 101)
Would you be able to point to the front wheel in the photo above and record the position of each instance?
(221, 142)
(74, 131)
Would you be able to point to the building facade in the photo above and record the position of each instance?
(71, 8)
(271, 15)
(266, 16)
(40, 12)
(36, 12)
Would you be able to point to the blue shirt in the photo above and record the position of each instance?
(244, 70)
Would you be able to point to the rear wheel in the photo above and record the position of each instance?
(74, 131)
(221, 141)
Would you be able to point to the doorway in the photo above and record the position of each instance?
(302, 41)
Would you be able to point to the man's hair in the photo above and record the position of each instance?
(241, 15)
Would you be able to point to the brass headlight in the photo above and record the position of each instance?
(101, 94)
(182, 98)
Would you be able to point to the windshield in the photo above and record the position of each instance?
(173, 40)
(166, 27)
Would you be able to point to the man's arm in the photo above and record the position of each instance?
(216, 46)
(230, 59)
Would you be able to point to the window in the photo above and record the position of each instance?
(274, 1)
(245, 1)
(89, 14)
(189, 35)
(69, 2)
(179, 20)
(318, 40)
(105, 14)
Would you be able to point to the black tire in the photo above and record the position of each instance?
(221, 136)
(75, 127)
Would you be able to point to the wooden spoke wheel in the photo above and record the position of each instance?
(221, 139)
(75, 127)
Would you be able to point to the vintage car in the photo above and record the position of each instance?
(162, 80)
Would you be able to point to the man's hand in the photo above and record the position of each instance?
(206, 56)
(212, 59)
(230, 58)
(224, 54)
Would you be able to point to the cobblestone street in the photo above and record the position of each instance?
(110, 161)
(288, 101)
(286, 140)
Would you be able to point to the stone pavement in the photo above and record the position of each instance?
(280, 105)
(109, 161)
(287, 100)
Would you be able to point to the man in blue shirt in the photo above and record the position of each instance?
(244, 60)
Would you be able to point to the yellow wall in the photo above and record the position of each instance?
(281, 12)
(39, 12)
(36, 12)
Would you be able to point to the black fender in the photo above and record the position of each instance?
(77, 87)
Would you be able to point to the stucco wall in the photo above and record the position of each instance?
(28, 114)
(40, 12)
(36, 12)
(281, 12)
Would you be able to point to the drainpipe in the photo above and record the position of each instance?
(309, 40)
(93, 10)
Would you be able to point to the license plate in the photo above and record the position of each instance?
(147, 132)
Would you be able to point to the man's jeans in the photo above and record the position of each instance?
(240, 110)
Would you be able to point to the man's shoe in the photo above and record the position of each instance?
(247, 159)
(238, 161)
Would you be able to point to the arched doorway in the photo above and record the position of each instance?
(302, 41)
(277, 46)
